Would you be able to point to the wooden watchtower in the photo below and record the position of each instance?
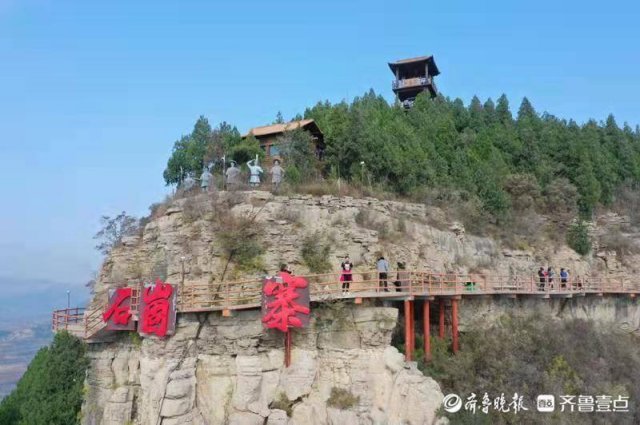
(413, 76)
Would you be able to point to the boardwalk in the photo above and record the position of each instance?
(401, 286)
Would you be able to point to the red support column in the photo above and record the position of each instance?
(454, 324)
(441, 330)
(287, 348)
(426, 331)
(412, 309)
(407, 330)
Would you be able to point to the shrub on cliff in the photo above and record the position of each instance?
(315, 253)
(578, 238)
(539, 355)
(50, 391)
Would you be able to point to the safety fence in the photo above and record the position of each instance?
(247, 294)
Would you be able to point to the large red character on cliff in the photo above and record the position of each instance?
(118, 314)
(285, 302)
(158, 309)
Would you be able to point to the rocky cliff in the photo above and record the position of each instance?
(183, 241)
(218, 370)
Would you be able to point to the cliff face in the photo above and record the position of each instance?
(219, 370)
(183, 244)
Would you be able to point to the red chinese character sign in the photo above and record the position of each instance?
(118, 313)
(285, 302)
(285, 305)
(158, 309)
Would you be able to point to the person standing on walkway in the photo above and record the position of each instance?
(347, 274)
(550, 276)
(542, 278)
(383, 269)
(564, 278)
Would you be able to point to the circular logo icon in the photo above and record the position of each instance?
(452, 403)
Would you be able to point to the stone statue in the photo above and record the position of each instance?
(233, 176)
(277, 173)
(254, 172)
(205, 179)
(188, 182)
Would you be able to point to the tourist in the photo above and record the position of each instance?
(284, 268)
(346, 277)
(402, 277)
(550, 276)
(542, 277)
(383, 268)
(564, 277)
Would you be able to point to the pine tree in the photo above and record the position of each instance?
(503, 112)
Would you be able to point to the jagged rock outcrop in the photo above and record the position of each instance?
(220, 370)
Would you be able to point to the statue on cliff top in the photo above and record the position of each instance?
(205, 179)
(277, 173)
(188, 183)
(232, 176)
(254, 172)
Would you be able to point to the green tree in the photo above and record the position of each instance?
(50, 391)
(297, 149)
(113, 230)
(578, 238)
(202, 146)
(441, 145)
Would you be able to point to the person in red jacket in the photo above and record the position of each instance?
(346, 277)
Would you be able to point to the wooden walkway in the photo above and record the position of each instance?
(401, 286)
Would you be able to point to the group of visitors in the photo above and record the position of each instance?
(547, 278)
(382, 267)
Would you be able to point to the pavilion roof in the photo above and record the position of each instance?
(433, 68)
(278, 128)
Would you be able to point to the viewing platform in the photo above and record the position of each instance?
(402, 286)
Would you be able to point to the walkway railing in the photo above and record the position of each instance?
(71, 319)
(246, 294)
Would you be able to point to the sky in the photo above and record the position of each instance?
(94, 94)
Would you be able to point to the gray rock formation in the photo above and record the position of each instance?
(220, 370)
(227, 370)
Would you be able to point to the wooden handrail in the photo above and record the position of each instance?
(247, 293)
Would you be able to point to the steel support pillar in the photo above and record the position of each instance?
(454, 325)
(408, 348)
(426, 330)
(441, 329)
